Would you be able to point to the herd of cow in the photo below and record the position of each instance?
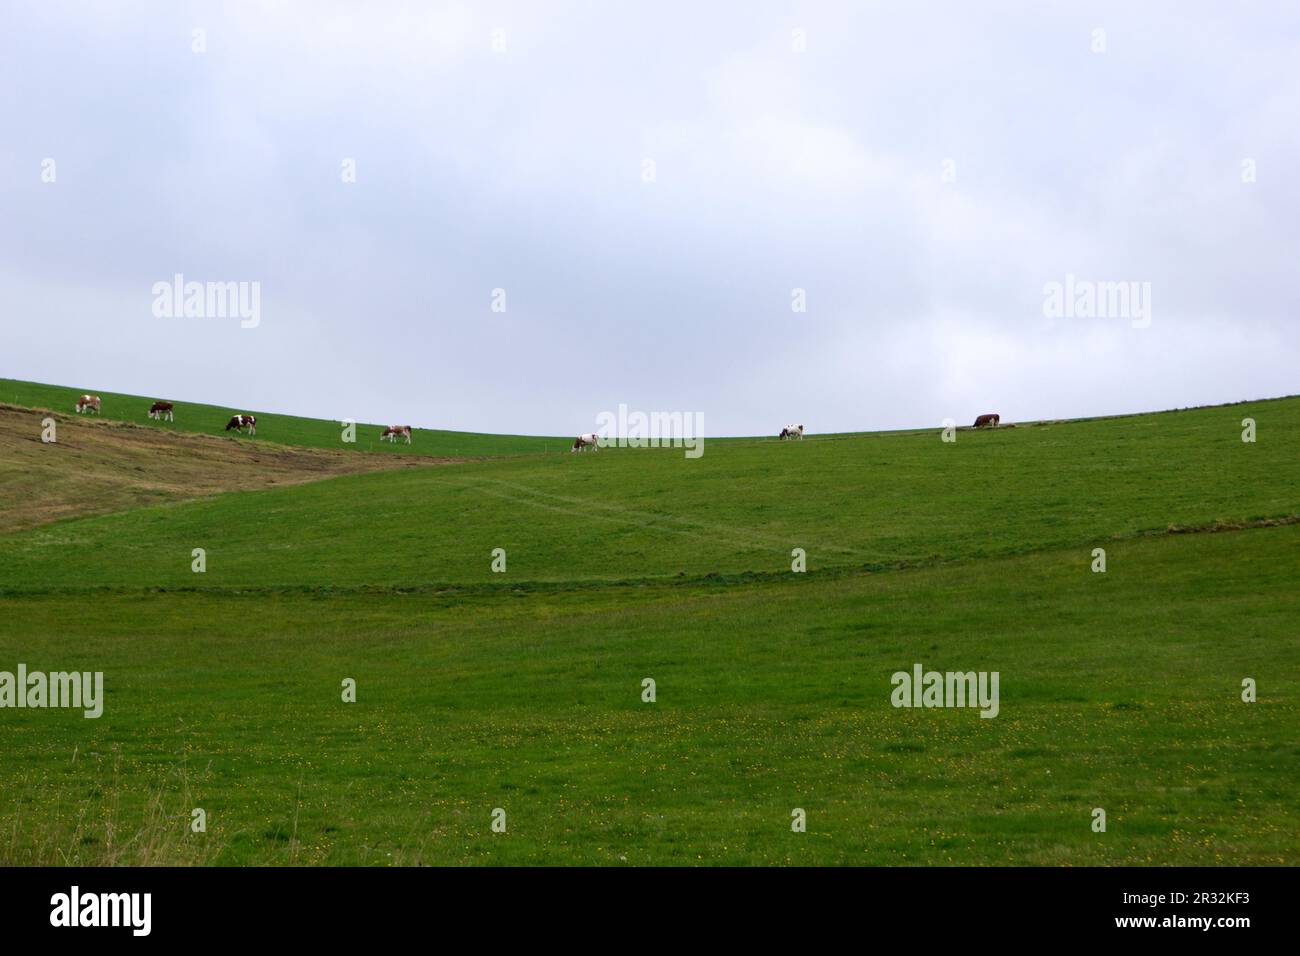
(588, 442)
(239, 422)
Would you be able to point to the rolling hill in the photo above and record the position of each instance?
(522, 690)
(274, 428)
(98, 466)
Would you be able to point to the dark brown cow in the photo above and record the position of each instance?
(991, 420)
(161, 410)
(240, 422)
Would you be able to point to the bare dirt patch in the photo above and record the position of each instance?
(102, 466)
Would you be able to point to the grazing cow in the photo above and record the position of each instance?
(791, 431)
(991, 420)
(87, 403)
(587, 441)
(161, 410)
(240, 422)
(394, 432)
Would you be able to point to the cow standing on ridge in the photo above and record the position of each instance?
(240, 422)
(586, 442)
(394, 432)
(791, 431)
(88, 403)
(990, 420)
(161, 410)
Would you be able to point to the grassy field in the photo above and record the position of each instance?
(522, 690)
(278, 429)
(100, 466)
(633, 514)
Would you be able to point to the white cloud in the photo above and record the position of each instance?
(521, 170)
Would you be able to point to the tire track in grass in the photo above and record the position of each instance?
(586, 508)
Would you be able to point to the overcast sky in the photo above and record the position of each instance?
(921, 171)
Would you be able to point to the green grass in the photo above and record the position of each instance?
(281, 429)
(631, 514)
(1119, 691)
(522, 690)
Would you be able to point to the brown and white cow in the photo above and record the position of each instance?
(589, 441)
(161, 410)
(394, 432)
(791, 431)
(990, 420)
(240, 422)
(88, 403)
